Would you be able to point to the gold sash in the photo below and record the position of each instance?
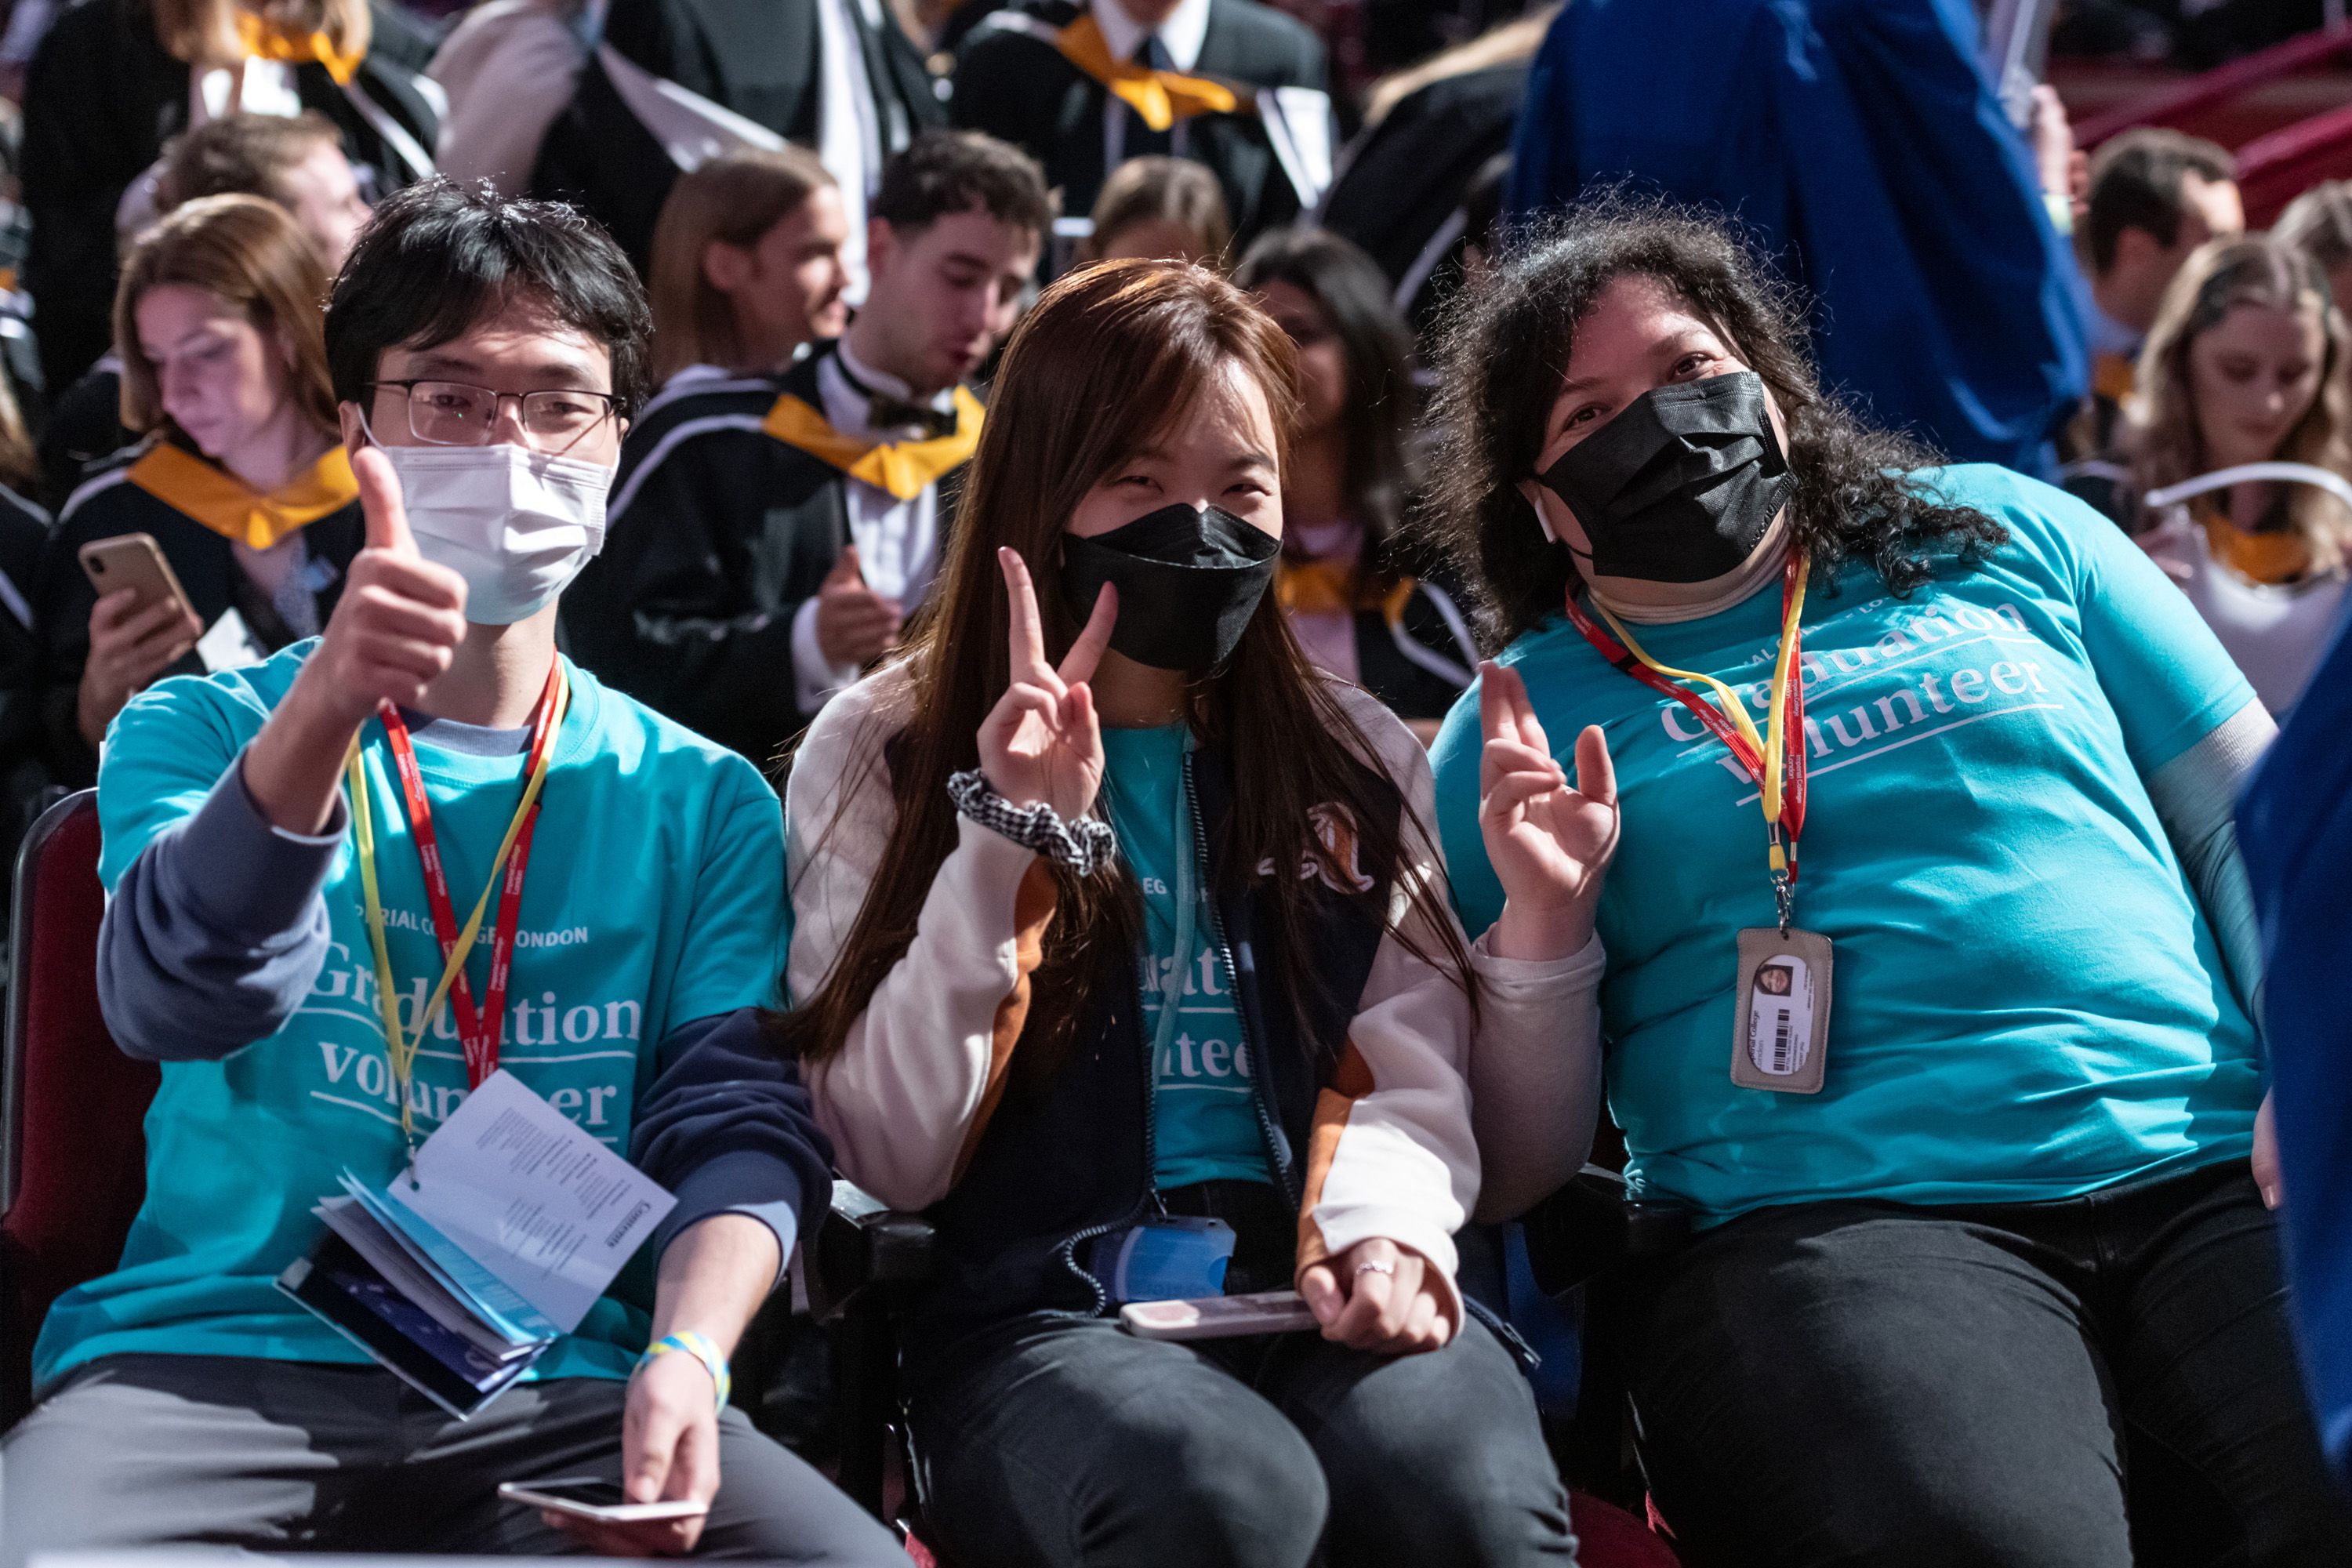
(1314, 587)
(234, 509)
(2111, 375)
(905, 468)
(264, 40)
(1161, 97)
(2273, 556)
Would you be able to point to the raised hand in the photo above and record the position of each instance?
(1042, 741)
(1549, 845)
(855, 625)
(392, 633)
(401, 617)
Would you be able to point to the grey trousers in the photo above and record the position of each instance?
(1065, 1443)
(151, 1450)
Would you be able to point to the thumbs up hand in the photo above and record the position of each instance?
(855, 625)
(400, 617)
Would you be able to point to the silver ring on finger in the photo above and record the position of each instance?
(1376, 1266)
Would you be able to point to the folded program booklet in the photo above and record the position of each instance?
(459, 1274)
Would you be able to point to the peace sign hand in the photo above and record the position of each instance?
(1549, 845)
(1042, 741)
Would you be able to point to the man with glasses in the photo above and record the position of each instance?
(486, 353)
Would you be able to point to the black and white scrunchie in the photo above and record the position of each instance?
(1081, 846)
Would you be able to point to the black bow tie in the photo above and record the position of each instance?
(884, 412)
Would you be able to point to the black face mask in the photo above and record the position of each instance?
(1188, 583)
(1681, 485)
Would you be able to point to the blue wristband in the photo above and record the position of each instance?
(702, 1349)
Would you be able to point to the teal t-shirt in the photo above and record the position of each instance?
(1204, 1110)
(654, 897)
(2027, 1000)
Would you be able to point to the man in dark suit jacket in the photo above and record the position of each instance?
(764, 60)
(1022, 74)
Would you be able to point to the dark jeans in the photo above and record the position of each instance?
(136, 1451)
(1067, 1441)
(1866, 1384)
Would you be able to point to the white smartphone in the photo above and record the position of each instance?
(1218, 1317)
(584, 1497)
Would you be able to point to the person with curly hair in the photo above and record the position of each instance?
(1962, 1103)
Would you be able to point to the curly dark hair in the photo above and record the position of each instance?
(1504, 348)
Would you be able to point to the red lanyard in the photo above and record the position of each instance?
(1751, 757)
(478, 1032)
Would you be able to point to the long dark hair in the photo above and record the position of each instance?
(1375, 424)
(1504, 349)
(1112, 356)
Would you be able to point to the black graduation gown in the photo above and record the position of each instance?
(24, 771)
(101, 100)
(1021, 89)
(107, 505)
(718, 534)
(1419, 663)
(757, 57)
(1404, 179)
(84, 426)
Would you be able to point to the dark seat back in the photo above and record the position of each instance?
(73, 1146)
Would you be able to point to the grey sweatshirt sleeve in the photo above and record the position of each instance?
(217, 931)
(2196, 797)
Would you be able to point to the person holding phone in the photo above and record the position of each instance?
(241, 480)
(287, 850)
(1122, 949)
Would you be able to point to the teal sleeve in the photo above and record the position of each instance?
(733, 953)
(1477, 893)
(2165, 674)
(164, 753)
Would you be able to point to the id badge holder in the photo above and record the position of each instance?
(1780, 1011)
(1170, 1258)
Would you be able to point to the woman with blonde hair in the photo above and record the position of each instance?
(747, 265)
(241, 478)
(2244, 370)
(114, 80)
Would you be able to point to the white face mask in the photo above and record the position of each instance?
(517, 525)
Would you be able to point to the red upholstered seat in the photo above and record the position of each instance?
(72, 1143)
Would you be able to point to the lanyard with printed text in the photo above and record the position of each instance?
(1775, 759)
(478, 1032)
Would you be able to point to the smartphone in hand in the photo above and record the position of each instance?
(132, 561)
(1218, 1317)
(584, 1497)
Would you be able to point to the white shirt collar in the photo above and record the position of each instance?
(1182, 34)
(866, 375)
